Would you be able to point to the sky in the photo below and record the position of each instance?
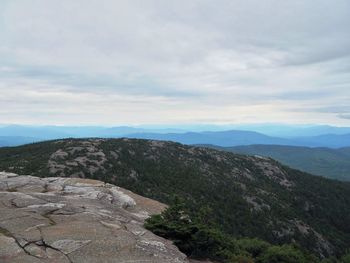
(110, 62)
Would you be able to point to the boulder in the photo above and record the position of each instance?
(67, 220)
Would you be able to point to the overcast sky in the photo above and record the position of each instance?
(186, 61)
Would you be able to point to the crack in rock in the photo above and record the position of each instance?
(68, 246)
(76, 221)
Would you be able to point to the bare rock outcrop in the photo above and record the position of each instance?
(77, 220)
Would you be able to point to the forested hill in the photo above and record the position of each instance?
(249, 196)
(332, 163)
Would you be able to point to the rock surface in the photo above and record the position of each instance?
(65, 220)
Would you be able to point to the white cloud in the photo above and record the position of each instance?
(154, 61)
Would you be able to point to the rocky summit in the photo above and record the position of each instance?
(249, 196)
(66, 220)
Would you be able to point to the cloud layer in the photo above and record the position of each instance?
(153, 61)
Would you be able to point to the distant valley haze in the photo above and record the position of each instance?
(224, 135)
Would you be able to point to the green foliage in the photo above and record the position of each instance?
(282, 254)
(345, 258)
(189, 233)
(174, 224)
(241, 259)
(330, 260)
(255, 247)
(332, 163)
(203, 241)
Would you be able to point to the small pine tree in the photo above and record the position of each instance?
(345, 258)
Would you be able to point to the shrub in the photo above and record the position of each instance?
(193, 235)
(345, 258)
(282, 254)
(197, 236)
(255, 247)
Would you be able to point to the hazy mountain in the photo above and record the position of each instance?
(326, 140)
(250, 196)
(220, 138)
(16, 140)
(293, 131)
(274, 130)
(236, 138)
(332, 163)
(43, 132)
(58, 132)
(224, 138)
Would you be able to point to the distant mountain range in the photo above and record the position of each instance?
(293, 131)
(249, 196)
(16, 140)
(326, 140)
(9, 135)
(220, 138)
(12, 135)
(332, 163)
(236, 138)
(57, 132)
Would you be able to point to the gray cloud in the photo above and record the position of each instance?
(161, 61)
(335, 109)
(101, 83)
(344, 116)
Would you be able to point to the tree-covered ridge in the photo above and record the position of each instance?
(250, 196)
(331, 163)
(195, 234)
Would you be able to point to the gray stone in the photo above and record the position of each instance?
(77, 220)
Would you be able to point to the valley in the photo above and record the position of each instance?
(249, 196)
